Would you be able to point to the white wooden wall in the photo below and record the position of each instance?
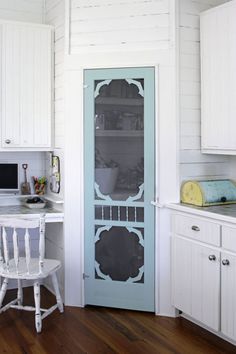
(22, 10)
(55, 15)
(193, 164)
(106, 25)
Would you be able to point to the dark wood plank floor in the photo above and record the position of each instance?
(95, 330)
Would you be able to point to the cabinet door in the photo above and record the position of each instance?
(218, 67)
(196, 276)
(26, 85)
(181, 274)
(228, 295)
(205, 285)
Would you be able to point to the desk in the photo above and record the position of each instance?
(51, 214)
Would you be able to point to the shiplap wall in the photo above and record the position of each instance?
(193, 164)
(55, 15)
(104, 25)
(22, 10)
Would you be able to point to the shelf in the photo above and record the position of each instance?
(119, 133)
(120, 101)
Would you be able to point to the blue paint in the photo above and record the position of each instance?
(107, 292)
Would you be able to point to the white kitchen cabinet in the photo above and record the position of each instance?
(218, 79)
(204, 271)
(26, 117)
(196, 285)
(181, 274)
(228, 294)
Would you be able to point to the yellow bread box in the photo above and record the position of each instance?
(208, 192)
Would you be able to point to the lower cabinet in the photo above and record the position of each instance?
(228, 295)
(204, 275)
(196, 281)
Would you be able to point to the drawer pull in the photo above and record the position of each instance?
(195, 228)
(225, 262)
(8, 141)
(212, 257)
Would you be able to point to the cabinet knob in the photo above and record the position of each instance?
(212, 257)
(225, 262)
(195, 228)
(7, 141)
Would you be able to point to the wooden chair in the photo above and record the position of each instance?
(26, 267)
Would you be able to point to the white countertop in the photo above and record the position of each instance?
(51, 214)
(13, 205)
(225, 212)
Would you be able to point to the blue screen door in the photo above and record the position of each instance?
(119, 187)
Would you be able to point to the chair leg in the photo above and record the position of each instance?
(57, 292)
(20, 292)
(3, 290)
(38, 319)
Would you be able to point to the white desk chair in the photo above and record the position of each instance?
(26, 268)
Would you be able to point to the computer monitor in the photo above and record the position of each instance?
(9, 177)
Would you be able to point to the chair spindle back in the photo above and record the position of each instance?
(16, 224)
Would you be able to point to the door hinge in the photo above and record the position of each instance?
(85, 276)
(85, 86)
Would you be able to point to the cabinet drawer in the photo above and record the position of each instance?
(197, 229)
(229, 238)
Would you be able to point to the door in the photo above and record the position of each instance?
(119, 188)
(205, 285)
(181, 274)
(218, 78)
(228, 295)
(196, 281)
(26, 85)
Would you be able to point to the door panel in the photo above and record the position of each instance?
(206, 285)
(119, 186)
(228, 295)
(181, 271)
(196, 281)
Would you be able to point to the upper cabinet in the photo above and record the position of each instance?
(26, 86)
(218, 79)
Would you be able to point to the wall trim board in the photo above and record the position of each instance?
(124, 59)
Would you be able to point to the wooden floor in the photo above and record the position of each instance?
(95, 330)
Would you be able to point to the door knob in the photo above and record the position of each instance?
(212, 257)
(225, 262)
(195, 228)
(7, 141)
